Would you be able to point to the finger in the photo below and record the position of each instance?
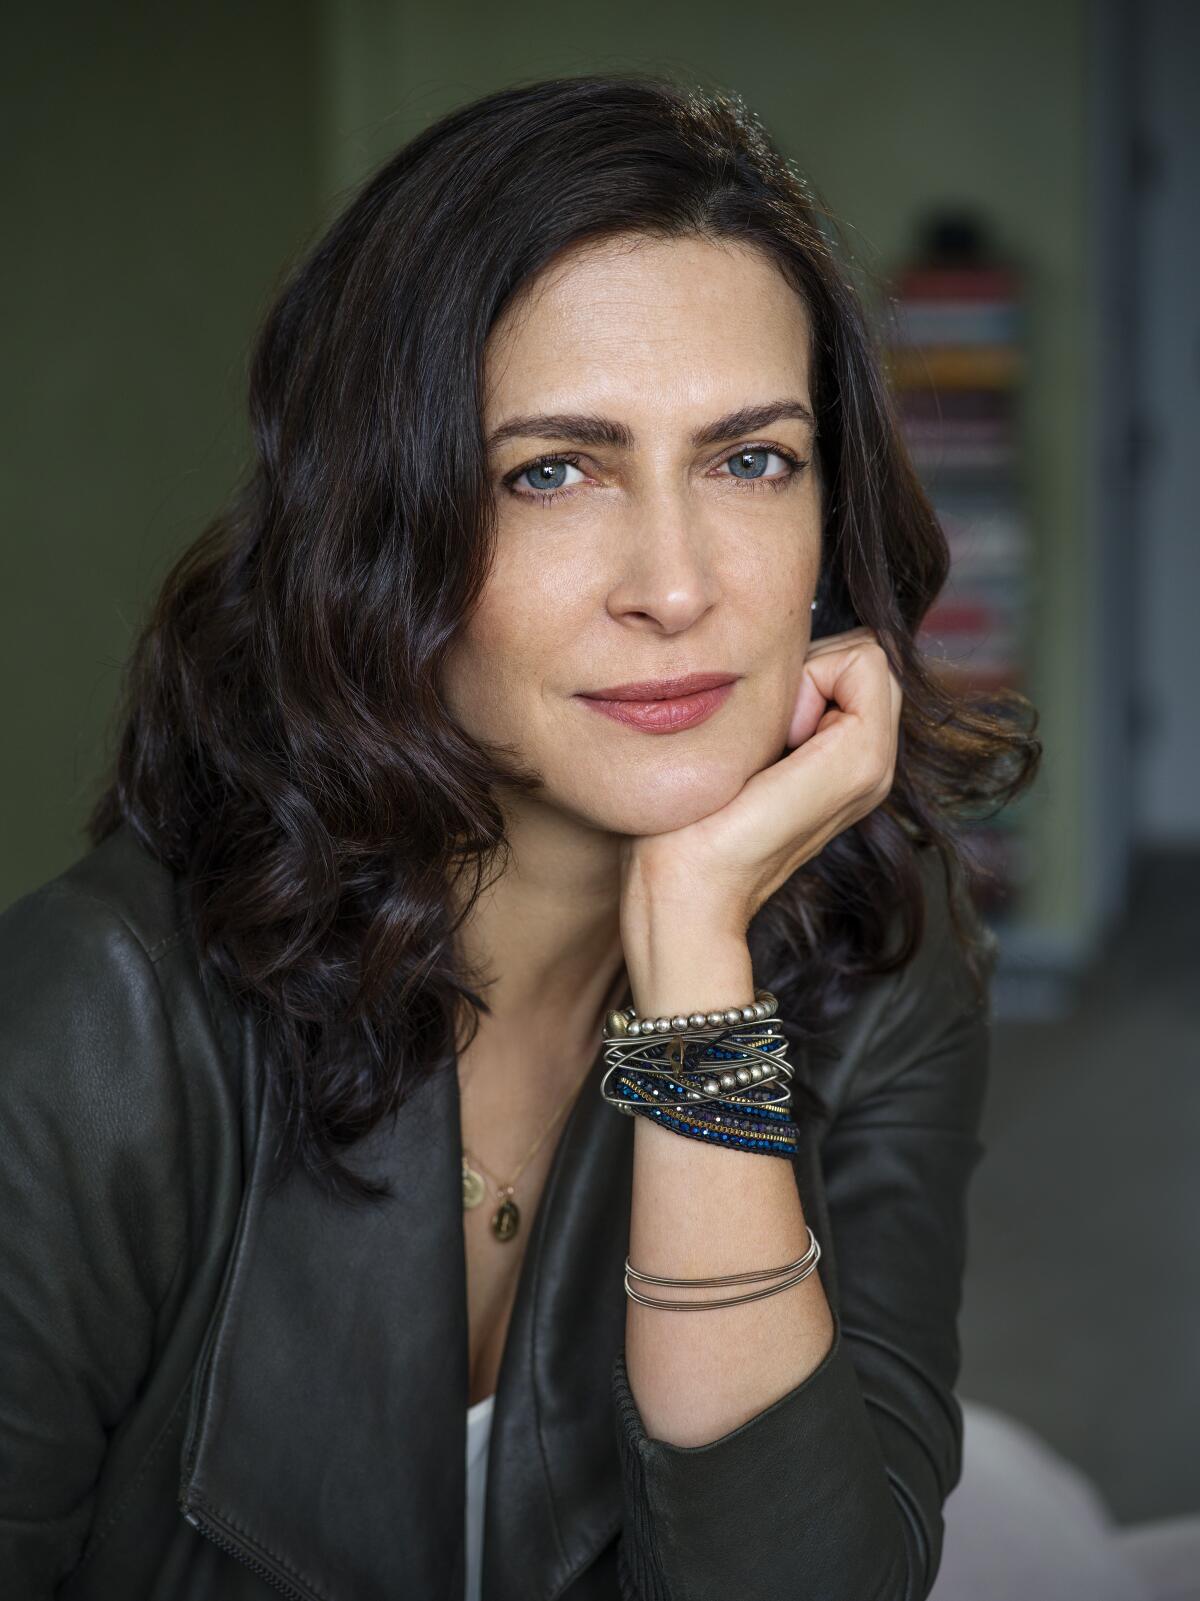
(858, 730)
(814, 693)
(838, 774)
(855, 682)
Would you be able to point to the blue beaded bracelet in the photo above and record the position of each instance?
(773, 1134)
(708, 1084)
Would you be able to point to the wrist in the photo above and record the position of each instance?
(682, 971)
(660, 895)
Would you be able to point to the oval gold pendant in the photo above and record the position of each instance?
(473, 1187)
(507, 1220)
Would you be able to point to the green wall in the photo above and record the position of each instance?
(161, 163)
(170, 165)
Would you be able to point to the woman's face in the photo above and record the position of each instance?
(661, 536)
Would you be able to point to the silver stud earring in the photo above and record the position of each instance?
(813, 607)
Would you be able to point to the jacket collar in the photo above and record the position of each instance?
(327, 1436)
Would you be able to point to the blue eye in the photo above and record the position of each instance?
(549, 474)
(751, 463)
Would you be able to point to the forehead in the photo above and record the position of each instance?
(657, 321)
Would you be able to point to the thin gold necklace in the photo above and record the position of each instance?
(506, 1220)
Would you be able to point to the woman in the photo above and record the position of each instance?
(553, 671)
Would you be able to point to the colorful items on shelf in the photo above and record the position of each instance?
(957, 365)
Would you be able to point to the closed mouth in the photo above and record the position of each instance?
(662, 688)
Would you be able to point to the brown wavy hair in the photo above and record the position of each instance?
(283, 743)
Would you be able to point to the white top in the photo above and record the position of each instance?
(479, 1429)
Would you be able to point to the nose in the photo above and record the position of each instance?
(666, 581)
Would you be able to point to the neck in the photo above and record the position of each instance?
(544, 939)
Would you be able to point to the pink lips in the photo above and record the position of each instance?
(664, 705)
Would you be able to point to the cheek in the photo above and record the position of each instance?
(495, 671)
(771, 575)
(544, 581)
(522, 606)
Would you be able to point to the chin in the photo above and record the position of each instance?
(658, 799)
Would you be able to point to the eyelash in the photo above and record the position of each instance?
(548, 497)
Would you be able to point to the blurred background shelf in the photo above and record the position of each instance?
(954, 329)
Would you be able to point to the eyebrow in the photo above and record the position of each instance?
(582, 428)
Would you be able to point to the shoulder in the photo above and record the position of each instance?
(117, 885)
(80, 956)
(108, 1044)
(85, 945)
(120, 1167)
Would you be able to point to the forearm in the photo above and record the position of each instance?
(698, 1212)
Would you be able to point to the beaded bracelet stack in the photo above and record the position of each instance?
(721, 1077)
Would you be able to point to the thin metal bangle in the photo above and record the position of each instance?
(813, 1251)
(753, 1275)
(729, 1300)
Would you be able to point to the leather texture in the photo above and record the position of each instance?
(213, 1392)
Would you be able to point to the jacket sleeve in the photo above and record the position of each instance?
(835, 1491)
(88, 1244)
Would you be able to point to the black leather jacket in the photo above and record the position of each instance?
(209, 1394)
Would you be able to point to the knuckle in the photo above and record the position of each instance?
(875, 774)
(867, 769)
(879, 656)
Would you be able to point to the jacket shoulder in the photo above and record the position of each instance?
(109, 1038)
(119, 1168)
(120, 876)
